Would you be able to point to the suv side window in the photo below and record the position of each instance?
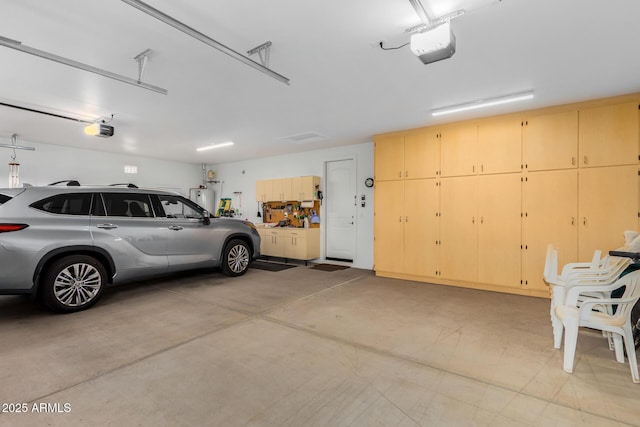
(4, 198)
(127, 204)
(65, 204)
(177, 207)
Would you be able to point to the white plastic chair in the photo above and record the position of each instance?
(597, 272)
(618, 324)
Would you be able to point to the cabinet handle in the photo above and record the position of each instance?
(406, 174)
(586, 160)
(573, 220)
(473, 168)
(481, 220)
(400, 174)
(406, 219)
(473, 220)
(401, 218)
(573, 161)
(481, 168)
(584, 221)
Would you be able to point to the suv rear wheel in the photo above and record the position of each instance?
(236, 258)
(73, 283)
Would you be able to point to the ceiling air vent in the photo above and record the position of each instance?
(306, 137)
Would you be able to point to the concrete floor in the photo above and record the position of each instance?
(303, 347)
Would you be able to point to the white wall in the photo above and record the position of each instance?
(50, 163)
(242, 177)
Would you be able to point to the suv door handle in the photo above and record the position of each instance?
(107, 226)
(175, 228)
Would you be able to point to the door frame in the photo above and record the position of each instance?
(323, 208)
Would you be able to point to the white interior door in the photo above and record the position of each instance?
(341, 202)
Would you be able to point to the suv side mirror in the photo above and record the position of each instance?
(206, 218)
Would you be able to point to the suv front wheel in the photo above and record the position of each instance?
(73, 283)
(236, 258)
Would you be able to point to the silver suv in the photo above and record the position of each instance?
(64, 244)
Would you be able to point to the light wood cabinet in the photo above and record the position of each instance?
(421, 154)
(408, 241)
(389, 157)
(550, 216)
(413, 155)
(292, 243)
(287, 189)
(607, 206)
(421, 227)
(499, 229)
(504, 188)
(458, 149)
(458, 232)
(550, 141)
(608, 135)
(274, 242)
(388, 230)
(304, 187)
(263, 191)
(303, 244)
(500, 145)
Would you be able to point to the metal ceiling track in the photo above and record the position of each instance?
(161, 16)
(13, 44)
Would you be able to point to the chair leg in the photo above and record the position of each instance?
(631, 353)
(556, 326)
(619, 348)
(570, 341)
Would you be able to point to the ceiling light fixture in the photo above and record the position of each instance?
(482, 103)
(161, 16)
(211, 147)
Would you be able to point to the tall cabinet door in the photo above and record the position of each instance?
(458, 148)
(500, 145)
(458, 231)
(421, 154)
(388, 157)
(550, 216)
(608, 205)
(388, 226)
(609, 135)
(550, 141)
(499, 230)
(421, 231)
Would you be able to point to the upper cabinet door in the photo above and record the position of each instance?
(500, 145)
(608, 135)
(389, 157)
(550, 141)
(421, 154)
(458, 148)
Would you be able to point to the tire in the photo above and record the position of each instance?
(236, 258)
(73, 283)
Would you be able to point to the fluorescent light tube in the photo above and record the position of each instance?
(482, 103)
(210, 147)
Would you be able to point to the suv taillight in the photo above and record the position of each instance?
(4, 228)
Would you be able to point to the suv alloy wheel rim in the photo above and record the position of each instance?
(77, 284)
(238, 259)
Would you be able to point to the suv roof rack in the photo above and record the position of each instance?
(70, 183)
(128, 185)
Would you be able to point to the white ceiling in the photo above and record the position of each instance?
(343, 86)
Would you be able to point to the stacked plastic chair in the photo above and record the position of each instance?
(581, 297)
(612, 315)
(600, 271)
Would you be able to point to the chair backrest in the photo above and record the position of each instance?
(631, 294)
(551, 265)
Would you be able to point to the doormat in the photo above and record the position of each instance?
(270, 266)
(329, 267)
